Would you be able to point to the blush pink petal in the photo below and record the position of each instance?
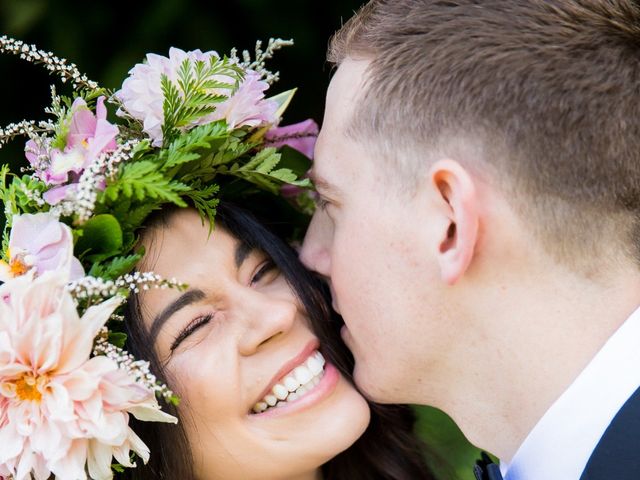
(47, 241)
(83, 126)
(57, 194)
(34, 232)
(247, 106)
(32, 151)
(80, 420)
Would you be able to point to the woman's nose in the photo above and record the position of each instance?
(266, 318)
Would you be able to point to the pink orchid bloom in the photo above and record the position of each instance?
(88, 137)
(63, 412)
(41, 243)
(55, 195)
(301, 136)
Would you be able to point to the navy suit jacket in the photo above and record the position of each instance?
(617, 454)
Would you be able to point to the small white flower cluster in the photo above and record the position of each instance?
(66, 71)
(92, 180)
(84, 201)
(94, 287)
(28, 128)
(259, 64)
(122, 154)
(139, 370)
(35, 196)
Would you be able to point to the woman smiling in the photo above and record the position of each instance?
(253, 353)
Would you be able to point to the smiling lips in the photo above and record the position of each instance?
(294, 384)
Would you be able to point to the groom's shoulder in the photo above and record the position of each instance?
(617, 454)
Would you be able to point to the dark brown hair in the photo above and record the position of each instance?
(547, 90)
(388, 450)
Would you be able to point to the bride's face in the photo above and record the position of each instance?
(233, 343)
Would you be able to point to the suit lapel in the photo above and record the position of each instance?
(617, 454)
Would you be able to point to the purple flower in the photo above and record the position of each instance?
(301, 136)
(41, 243)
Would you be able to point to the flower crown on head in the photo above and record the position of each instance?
(189, 127)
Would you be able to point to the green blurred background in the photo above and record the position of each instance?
(106, 38)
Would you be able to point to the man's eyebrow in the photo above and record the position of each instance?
(320, 183)
(184, 300)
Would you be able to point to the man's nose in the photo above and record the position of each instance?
(315, 253)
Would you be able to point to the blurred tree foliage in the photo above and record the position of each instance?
(105, 38)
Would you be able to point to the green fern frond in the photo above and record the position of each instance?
(196, 91)
(142, 181)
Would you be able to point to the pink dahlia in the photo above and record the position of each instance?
(62, 412)
(142, 98)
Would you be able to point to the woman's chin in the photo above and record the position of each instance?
(328, 422)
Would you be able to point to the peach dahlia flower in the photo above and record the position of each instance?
(62, 412)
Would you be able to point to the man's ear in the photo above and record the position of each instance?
(457, 200)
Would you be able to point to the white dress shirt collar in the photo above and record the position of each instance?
(559, 446)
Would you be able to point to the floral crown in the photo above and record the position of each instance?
(190, 127)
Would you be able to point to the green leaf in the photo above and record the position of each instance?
(100, 237)
(117, 338)
(283, 100)
(193, 145)
(142, 181)
(196, 92)
(205, 201)
(263, 162)
(116, 267)
(294, 160)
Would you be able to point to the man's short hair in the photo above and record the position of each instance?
(548, 89)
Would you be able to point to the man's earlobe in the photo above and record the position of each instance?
(456, 189)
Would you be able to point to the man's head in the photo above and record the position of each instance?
(466, 144)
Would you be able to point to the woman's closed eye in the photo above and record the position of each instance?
(261, 273)
(194, 325)
(266, 267)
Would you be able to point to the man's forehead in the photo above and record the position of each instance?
(346, 87)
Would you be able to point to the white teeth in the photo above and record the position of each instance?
(314, 365)
(303, 375)
(291, 383)
(260, 407)
(297, 383)
(280, 392)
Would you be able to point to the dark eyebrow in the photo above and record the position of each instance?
(242, 252)
(184, 300)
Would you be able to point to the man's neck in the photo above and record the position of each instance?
(532, 357)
